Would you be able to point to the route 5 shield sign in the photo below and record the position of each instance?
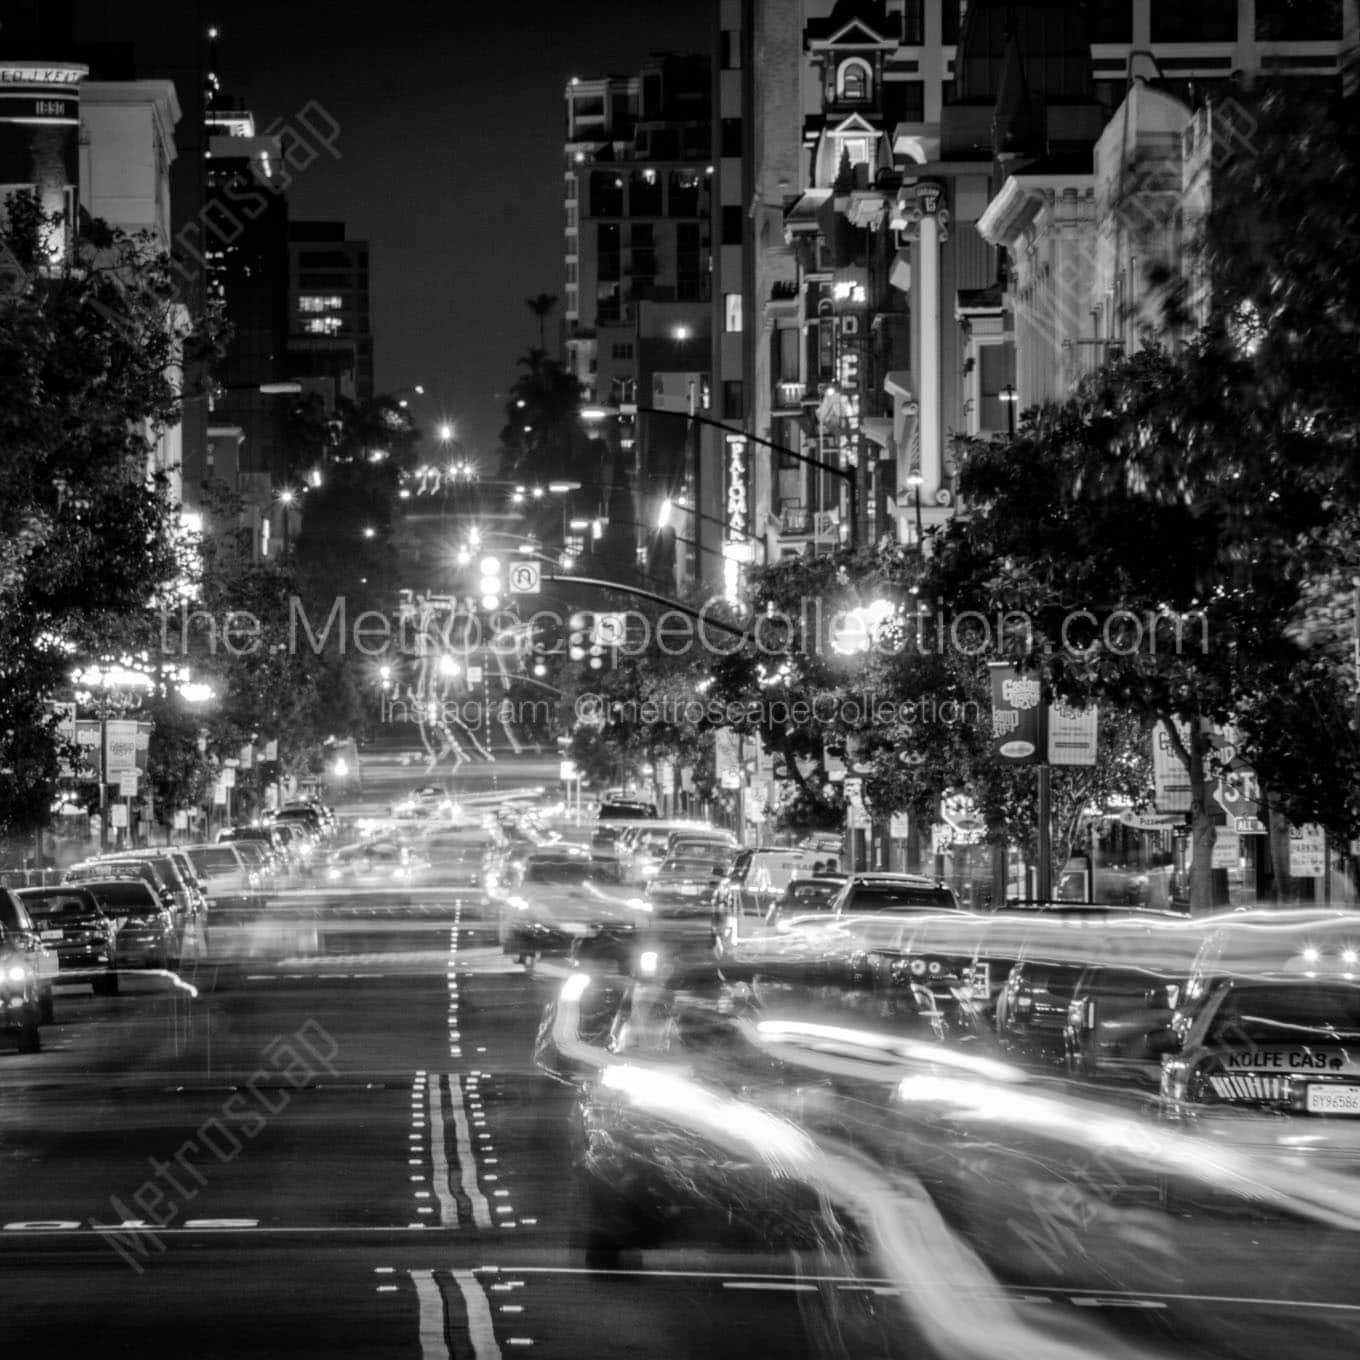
(525, 578)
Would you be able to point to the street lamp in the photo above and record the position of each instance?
(1010, 398)
(287, 499)
(915, 480)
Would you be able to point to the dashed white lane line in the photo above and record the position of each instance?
(433, 1345)
(467, 1166)
(481, 1329)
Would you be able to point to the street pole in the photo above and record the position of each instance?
(1043, 877)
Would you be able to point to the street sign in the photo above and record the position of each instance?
(611, 630)
(1150, 821)
(118, 814)
(854, 793)
(1307, 851)
(731, 779)
(228, 777)
(525, 578)
(899, 826)
(127, 783)
(1227, 849)
(566, 771)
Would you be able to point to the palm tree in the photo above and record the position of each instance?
(541, 306)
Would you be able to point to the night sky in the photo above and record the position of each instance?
(452, 124)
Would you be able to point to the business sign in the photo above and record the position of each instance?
(118, 815)
(609, 630)
(1170, 774)
(738, 498)
(228, 777)
(567, 771)
(1072, 734)
(127, 783)
(899, 826)
(1015, 714)
(1307, 851)
(1150, 821)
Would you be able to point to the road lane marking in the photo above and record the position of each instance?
(777, 1285)
(448, 1206)
(222, 1223)
(467, 1166)
(433, 1345)
(481, 1328)
(1116, 1301)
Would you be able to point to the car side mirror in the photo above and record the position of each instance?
(1163, 1043)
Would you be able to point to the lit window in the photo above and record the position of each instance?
(857, 148)
(321, 325)
(853, 81)
(319, 302)
(732, 312)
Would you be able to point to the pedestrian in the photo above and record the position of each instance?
(818, 867)
(832, 866)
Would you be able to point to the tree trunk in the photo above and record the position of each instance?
(1277, 833)
(1201, 824)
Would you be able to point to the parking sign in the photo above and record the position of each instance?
(525, 578)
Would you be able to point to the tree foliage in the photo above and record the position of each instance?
(90, 353)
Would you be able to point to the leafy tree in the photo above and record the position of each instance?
(89, 353)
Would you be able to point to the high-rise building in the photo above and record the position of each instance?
(638, 240)
(328, 318)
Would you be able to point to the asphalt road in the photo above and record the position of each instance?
(327, 1137)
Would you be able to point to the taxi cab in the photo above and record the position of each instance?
(1270, 1062)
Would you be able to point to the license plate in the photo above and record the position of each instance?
(1332, 1099)
(53, 934)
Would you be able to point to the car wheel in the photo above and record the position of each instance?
(30, 1040)
(106, 985)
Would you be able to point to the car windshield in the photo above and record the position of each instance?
(54, 908)
(1281, 1015)
(130, 899)
(873, 897)
(212, 860)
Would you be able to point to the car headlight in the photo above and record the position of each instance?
(648, 962)
(16, 973)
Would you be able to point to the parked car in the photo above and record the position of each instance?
(24, 935)
(227, 877)
(185, 900)
(21, 1008)
(684, 886)
(147, 935)
(72, 924)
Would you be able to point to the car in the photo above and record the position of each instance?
(377, 863)
(641, 849)
(813, 895)
(21, 1006)
(76, 928)
(227, 878)
(118, 865)
(147, 935)
(1268, 1062)
(23, 934)
(170, 882)
(754, 883)
(684, 886)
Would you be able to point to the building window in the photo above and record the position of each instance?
(608, 251)
(913, 23)
(951, 17)
(571, 216)
(1111, 21)
(732, 222)
(322, 325)
(731, 49)
(1208, 21)
(854, 81)
(571, 271)
(622, 351)
(857, 148)
(732, 312)
(1298, 20)
(734, 400)
(606, 193)
(319, 302)
(684, 193)
(644, 194)
(731, 138)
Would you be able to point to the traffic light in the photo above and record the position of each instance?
(579, 637)
(490, 587)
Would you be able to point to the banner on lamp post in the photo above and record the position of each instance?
(1016, 712)
(1072, 734)
(1170, 774)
